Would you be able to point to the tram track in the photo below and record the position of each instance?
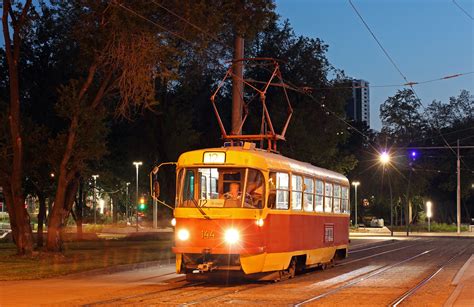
(133, 296)
(175, 289)
(364, 277)
(373, 246)
(427, 279)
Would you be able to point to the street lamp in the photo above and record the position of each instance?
(127, 200)
(384, 159)
(355, 184)
(428, 214)
(95, 202)
(137, 165)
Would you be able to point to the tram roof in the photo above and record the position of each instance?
(258, 158)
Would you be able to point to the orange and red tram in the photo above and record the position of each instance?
(241, 210)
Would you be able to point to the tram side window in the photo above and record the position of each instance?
(188, 189)
(328, 197)
(308, 194)
(337, 198)
(345, 200)
(279, 191)
(319, 196)
(296, 192)
(254, 189)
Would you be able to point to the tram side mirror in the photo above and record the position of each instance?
(156, 189)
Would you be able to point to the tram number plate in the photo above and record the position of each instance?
(329, 233)
(207, 234)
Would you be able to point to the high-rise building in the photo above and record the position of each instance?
(358, 106)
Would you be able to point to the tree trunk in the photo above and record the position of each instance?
(19, 218)
(56, 216)
(41, 218)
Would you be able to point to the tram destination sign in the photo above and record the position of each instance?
(214, 157)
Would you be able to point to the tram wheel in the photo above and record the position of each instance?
(292, 268)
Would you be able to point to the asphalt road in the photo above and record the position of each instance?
(379, 272)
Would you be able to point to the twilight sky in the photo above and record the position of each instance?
(427, 39)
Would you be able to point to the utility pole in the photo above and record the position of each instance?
(356, 203)
(237, 85)
(137, 165)
(155, 214)
(126, 202)
(458, 198)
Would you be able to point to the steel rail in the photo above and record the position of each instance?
(362, 278)
(410, 292)
(198, 301)
(374, 255)
(374, 247)
(233, 291)
(124, 298)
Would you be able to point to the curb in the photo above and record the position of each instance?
(113, 269)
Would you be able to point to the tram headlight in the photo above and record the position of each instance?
(231, 236)
(183, 234)
(259, 222)
(173, 222)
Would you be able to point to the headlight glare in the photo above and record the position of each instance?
(183, 234)
(231, 236)
(173, 222)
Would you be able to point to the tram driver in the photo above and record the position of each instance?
(234, 191)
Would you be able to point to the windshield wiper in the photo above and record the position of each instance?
(200, 210)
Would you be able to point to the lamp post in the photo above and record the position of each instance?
(384, 160)
(94, 198)
(355, 184)
(428, 214)
(137, 165)
(127, 200)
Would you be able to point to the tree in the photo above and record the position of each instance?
(401, 117)
(12, 178)
(315, 134)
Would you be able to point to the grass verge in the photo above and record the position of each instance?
(79, 257)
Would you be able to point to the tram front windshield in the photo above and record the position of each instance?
(222, 188)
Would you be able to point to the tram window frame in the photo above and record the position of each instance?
(328, 207)
(308, 193)
(276, 190)
(345, 200)
(296, 192)
(185, 196)
(336, 198)
(319, 195)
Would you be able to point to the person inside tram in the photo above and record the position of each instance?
(234, 191)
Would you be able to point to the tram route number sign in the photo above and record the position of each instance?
(214, 157)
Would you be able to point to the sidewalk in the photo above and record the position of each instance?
(384, 231)
(463, 295)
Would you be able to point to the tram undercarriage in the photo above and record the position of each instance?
(216, 267)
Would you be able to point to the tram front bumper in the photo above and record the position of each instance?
(219, 250)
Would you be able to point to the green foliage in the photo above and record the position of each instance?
(401, 117)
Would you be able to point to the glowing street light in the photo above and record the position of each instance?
(137, 165)
(355, 184)
(384, 158)
(428, 213)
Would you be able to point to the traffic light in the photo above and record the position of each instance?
(142, 205)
